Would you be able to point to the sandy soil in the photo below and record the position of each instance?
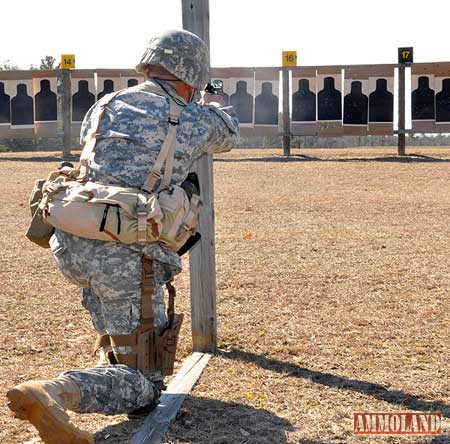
(333, 276)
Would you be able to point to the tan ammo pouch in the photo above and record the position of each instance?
(102, 212)
(145, 348)
(39, 231)
(127, 215)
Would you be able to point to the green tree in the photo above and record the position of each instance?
(48, 62)
(6, 66)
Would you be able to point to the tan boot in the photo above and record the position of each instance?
(43, 404)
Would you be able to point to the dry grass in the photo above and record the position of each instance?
(337, 303)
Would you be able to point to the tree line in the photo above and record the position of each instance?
(47, 62)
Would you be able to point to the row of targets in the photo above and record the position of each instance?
(332, 101)
(323, 100)
(87, 88)
(430, 97)
(29, 101)
(254, 94)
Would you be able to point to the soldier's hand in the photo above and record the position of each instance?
(207, 98)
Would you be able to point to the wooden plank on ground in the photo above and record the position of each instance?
(156, 424)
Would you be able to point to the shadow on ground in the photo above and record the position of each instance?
(39, 159)
(440, 439)
(396, 397)
(210, 421)
(410, 158)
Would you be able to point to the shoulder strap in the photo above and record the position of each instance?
(91, 141)
(166, 155)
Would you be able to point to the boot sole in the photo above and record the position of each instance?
(51, 422)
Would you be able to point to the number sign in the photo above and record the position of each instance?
(405, 55)
(68, 61)
(289, 58)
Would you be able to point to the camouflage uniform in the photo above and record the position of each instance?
(129, 139)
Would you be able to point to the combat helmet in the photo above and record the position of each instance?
(180, 52)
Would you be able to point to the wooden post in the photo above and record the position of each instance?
(286, 116)
(401, 110)
(64, 109)
(202, 258)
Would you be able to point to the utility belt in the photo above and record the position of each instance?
(68, 201)
(112, 213)
(145, 348)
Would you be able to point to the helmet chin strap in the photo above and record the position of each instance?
(193, 92)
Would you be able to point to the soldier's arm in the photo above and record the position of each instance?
(87, 122)
(223, 129)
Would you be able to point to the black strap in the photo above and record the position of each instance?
(190, 243)
(118, 219)
(171, 305)
(105, 216)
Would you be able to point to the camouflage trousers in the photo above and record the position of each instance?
(112, 389)
(110, 275)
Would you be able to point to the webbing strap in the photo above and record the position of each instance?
(147, 320)
(167, 149)
(91, 141)
(171, 141)
(142, 213)
(166, 154)
(146, 351)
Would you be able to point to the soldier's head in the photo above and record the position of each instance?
(179, 57)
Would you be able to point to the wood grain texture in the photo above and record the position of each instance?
(202, 259)
(401, 149)
(303, 71)
(156, 424)
(64, 109)
(286, 115)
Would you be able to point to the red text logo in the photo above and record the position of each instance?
(407, 423)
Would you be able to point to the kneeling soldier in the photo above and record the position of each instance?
(143, 138)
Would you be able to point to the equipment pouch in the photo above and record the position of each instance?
(180, 216)
(104, 212)
(38, 231)
(166, 346)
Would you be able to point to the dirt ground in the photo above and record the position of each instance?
(333, 277)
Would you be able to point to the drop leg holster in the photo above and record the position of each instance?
(146, 349)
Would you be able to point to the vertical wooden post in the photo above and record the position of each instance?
(202, 259)
(401, 110)
(286, 116)
(64, 109)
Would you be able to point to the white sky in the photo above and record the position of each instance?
(113, 34)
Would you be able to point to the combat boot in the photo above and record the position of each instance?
(43, 404)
